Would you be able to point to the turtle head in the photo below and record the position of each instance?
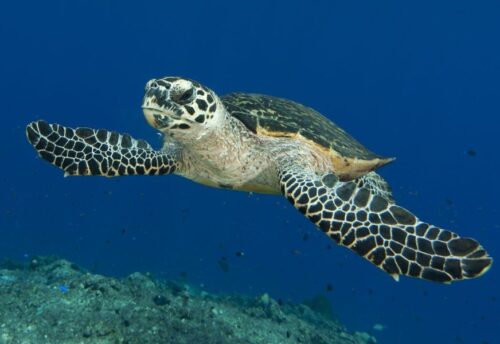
(181, 107)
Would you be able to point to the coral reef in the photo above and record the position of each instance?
(51, 300)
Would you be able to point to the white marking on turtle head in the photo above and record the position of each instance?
(181, 108)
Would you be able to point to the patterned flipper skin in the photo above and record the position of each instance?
(96, 152)
(387, 235)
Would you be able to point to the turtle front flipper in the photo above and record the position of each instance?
(97, 152)
(375, 228)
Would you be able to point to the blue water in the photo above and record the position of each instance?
(419, 81)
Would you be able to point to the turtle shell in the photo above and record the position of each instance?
(278, 117)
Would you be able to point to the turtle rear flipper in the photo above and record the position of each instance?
(387, 235)
(97, 152)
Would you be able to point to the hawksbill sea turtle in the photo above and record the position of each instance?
(265, 144)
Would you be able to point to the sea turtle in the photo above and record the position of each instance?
(265, 144)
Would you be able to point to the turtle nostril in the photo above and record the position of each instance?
(151, 84)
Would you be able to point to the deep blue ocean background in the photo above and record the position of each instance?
(415, 80)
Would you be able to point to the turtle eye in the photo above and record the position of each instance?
(183, 97)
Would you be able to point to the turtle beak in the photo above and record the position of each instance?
(153, 111)
(155, 119)
(148, 114)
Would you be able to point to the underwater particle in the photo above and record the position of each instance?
(328, 247)
(305, 237)
(471, 152)
(124, 231)
(329, 287)
(296, 252)
(223, 264)
(379, 327)
(239, 254)
(370, 291)
(63, 288)
(160, 300)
